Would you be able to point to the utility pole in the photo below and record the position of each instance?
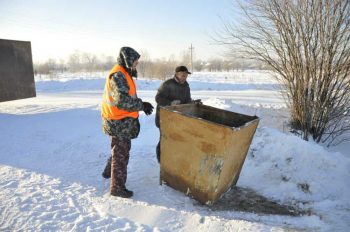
(191, 52)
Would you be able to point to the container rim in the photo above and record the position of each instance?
(171, 109)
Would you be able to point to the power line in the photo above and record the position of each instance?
(191, 52)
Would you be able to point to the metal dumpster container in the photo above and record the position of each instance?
(203, 149)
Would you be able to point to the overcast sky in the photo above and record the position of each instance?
(161, 27)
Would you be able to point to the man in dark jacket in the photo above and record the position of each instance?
(120, 121)
(174, 91)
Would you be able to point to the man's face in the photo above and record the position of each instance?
(181, 76)
(136, 62)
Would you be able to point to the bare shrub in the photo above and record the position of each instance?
(307, 44)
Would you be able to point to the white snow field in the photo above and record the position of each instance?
(53, 151)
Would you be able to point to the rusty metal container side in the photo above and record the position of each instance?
(203, 149)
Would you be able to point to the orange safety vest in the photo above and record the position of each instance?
(108, 109)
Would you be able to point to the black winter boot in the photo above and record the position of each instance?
(129, 191)
(107, 172)
(122, 193)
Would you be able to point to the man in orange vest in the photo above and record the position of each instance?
(120, 111)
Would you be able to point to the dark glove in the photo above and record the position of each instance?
(198, 101)
(147, 108)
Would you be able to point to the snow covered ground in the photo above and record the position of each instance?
(52, 153)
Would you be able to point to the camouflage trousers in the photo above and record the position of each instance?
(120, 148)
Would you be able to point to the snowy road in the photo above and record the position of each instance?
(72, 99)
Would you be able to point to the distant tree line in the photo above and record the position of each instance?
(76, 62)
(151, 68)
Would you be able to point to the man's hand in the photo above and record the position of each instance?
(147, 108)
(175, 102)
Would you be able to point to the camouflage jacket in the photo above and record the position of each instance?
(169, 91)
(128, 128)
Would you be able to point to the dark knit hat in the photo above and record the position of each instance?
(182, 69)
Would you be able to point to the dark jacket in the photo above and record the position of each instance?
(169, 91)
(128, 128)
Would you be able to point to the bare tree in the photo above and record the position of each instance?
(90, 61)
(199, 65)
(106, 62)
(227, 65)
(145, 63)
(74, 61)
(61, 66)
(164, 69)
(307, 44)
(214, 65)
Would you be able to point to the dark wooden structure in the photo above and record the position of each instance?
(16, 70)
